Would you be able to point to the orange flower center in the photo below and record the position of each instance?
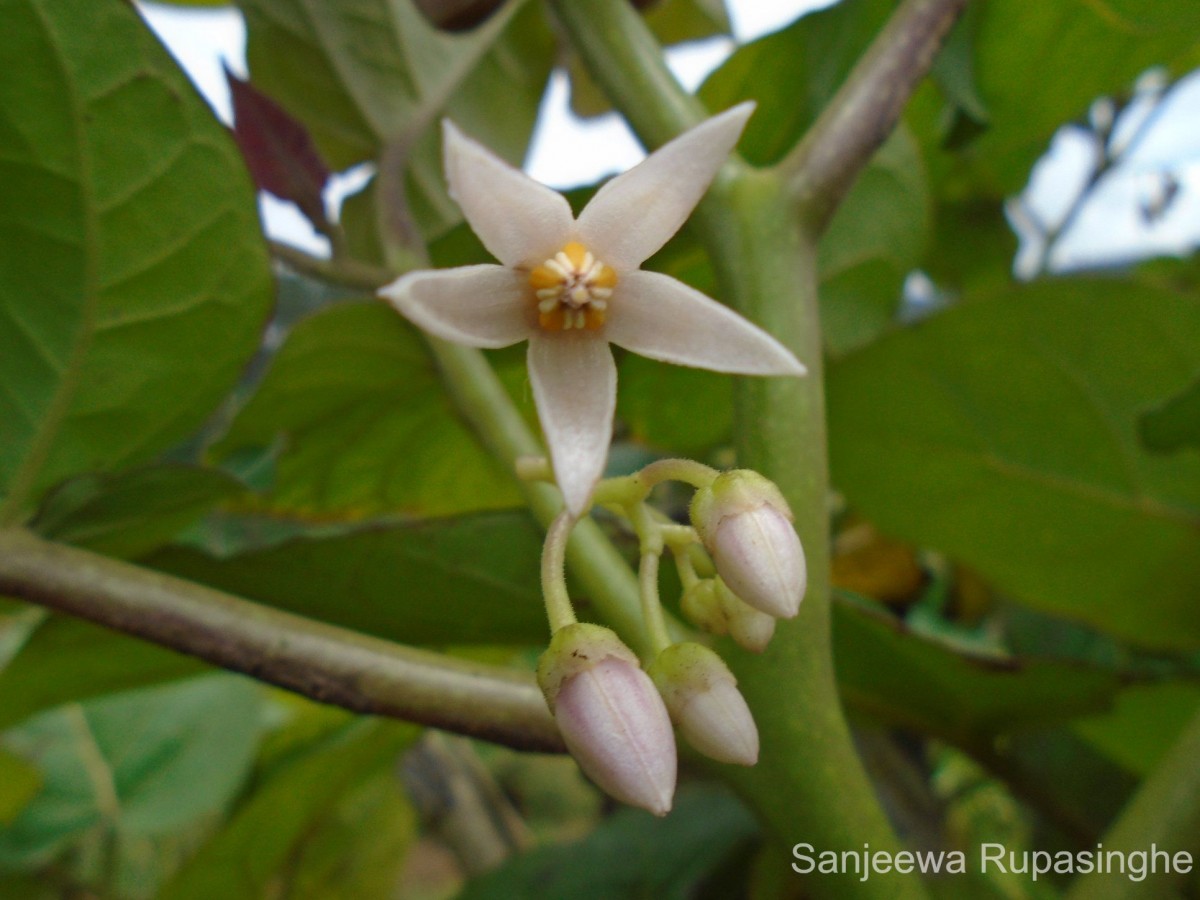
(572, 289)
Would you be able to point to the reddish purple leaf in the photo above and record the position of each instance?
(278, 150)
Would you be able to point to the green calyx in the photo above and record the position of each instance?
(574, 649)
(684, 670)
(733, 492)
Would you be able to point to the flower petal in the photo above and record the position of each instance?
(520, 221)
(616, 726)
(659, 317)
(634, 214)
(575, 387)
(481, 306)
(759, 556)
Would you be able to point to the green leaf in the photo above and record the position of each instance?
(1004, 433)
(365, 427)
(678, 21)
(890, 673)
(358, 848)
(134, 281)
(178, 752)
(675, 408)
(1175, 424)
(360, 73)
(28, 887)
(270, 832)
(68, 660)
(130, 514)
(876, 238)
(19, 783)
(792, 73)
(954, 68)
(142, 763)
(1065, 775)
(1144, 725)
(1039, 65)
(972, 246)
(632, 854)
(18, 621)
(462, 581)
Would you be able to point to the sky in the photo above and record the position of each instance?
(567, 152)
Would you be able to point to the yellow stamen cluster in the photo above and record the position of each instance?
(572, 289)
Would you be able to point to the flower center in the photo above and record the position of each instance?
(572, 289)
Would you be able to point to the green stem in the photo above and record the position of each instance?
(651, 545)
(554, 573)
(683, 564)
(1164, 812)
(328, 664)
(651, 605)
(344, 271)
(678, 536)
(534, 468)
(688, 471)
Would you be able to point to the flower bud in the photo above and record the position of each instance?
(746, 527)
(702, 697)
(701, 605)
(610, 715)
(752, 629)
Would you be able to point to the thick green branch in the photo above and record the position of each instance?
(1164, 812)
(823, 167)
(329, 664)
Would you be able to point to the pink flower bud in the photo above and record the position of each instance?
(702, 697)
(610, 715)
(709, 604)
(752, 629)
(747, 528)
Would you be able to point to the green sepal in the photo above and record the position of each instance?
(574, 649)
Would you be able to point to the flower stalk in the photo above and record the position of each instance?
(652, 610)
(559, 610)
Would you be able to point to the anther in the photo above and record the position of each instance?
(572, 289)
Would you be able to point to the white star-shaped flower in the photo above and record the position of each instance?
(572, 286)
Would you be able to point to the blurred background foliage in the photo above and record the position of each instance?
(1017, 525)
